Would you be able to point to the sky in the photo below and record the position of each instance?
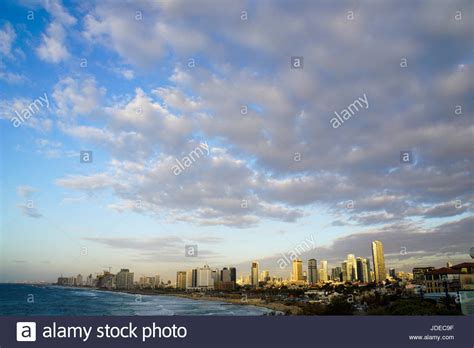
(204, 131)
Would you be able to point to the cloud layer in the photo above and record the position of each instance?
(164, 77)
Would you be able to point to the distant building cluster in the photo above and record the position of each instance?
(123, 280)
(353, 269)
(205, 278)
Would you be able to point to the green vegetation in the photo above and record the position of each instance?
(414, 307)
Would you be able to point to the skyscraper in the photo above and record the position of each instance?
(345, 268)
(369, 271)
(191, 279)
(90, 280)
(312, 271)
(265, 276)
(379, 261)
(181, 280)
(254, 274)
(366, 270)
(204, 278)
(79, 281)
(323, 271)
(297, 273)
(124, 279)
(352, 266)
(336, 274)
(216, 275)
(363, 270)
(225, 275)
(233, 274)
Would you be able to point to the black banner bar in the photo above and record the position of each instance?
(178, 331)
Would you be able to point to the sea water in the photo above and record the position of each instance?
(23, 299)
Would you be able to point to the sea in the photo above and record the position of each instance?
(44, 300)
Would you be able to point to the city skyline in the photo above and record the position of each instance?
(257, 141)
(273, 265)
(353, 269)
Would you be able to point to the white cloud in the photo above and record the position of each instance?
(12, 78)
(53, 47)
(77, 96)
(288, 112)
(7, 36)
(127, 74)
(52, 149)
(39, 121)
(28, 208)
(175, 98)
(133, 40)
(87, 183)
(142, 42)
(59, 13)
(25, 191)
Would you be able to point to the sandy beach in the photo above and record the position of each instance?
(276, 306)
(237, 300)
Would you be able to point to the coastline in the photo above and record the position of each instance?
(278, 308)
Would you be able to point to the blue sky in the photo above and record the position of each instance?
(142, 84)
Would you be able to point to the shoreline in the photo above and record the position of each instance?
(276, 307)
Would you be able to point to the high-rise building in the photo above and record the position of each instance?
(233, 274)
(323, 271)
(379, 261)
(265, 276)
(157, 281)
(312, 271)
(254, 274)
(391, 273)
(204, 278)
(107, 280)
(346, 271)
(191, 279)
(62, 280)
(225, 281)
(336, 274)
(297, 274)
(124, 279)
(352, 264)
(181, 280)
(369, 271)
(225, 275)
(363, 270)
(148, 282)
(89, 280)
(215, 275)
(79, 281)
(360, 267)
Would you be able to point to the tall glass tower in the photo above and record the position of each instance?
(379, 261)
